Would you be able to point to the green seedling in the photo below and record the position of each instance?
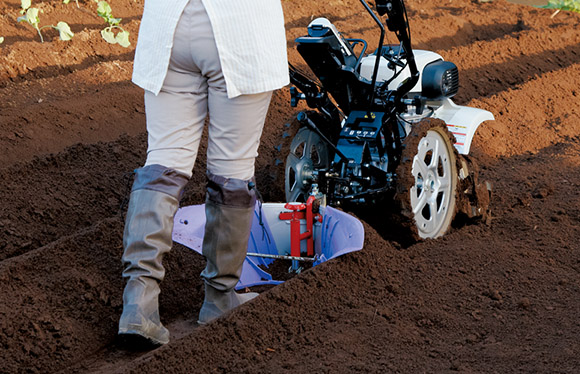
(569, 5)
(31, 16)
(122, 38)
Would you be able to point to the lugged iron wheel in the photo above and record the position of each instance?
(427, 179)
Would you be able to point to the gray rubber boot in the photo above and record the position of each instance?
(229, 210)
(147, 238)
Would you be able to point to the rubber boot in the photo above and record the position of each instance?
(147, 238)
(229, 210)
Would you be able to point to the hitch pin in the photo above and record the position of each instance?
(282, 257)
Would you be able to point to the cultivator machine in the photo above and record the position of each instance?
(382, 128)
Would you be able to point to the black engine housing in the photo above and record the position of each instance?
(440, 79)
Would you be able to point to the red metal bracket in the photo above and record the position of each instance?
(298, 212)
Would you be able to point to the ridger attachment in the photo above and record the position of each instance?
(303, 233)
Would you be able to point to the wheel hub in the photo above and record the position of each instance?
(304, 172)
(308, 152)
(431, 182)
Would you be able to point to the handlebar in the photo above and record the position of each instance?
(398, 23)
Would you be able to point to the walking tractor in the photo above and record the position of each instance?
(382, 128)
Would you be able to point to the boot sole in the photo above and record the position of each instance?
(135, 339)
(200, 323)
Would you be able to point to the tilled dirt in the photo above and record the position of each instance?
(489, 297)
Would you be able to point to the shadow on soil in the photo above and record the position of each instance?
(491, 79)
(471, 33)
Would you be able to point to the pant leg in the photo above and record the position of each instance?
(235, 125)
(175, 117)
(235, 129)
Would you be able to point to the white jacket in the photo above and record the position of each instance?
(249, 35)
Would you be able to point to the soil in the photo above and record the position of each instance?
(497, 296)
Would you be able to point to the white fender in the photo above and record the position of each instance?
(462, 121)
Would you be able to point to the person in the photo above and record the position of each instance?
(196, 58)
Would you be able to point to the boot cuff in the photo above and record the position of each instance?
(230, 191)
(161, 179)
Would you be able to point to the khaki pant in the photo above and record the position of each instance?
(193, 88)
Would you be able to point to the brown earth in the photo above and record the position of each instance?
(486, 298)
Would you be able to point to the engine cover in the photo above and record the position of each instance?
(440, 79)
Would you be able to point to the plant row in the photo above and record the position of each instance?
(113, 33)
